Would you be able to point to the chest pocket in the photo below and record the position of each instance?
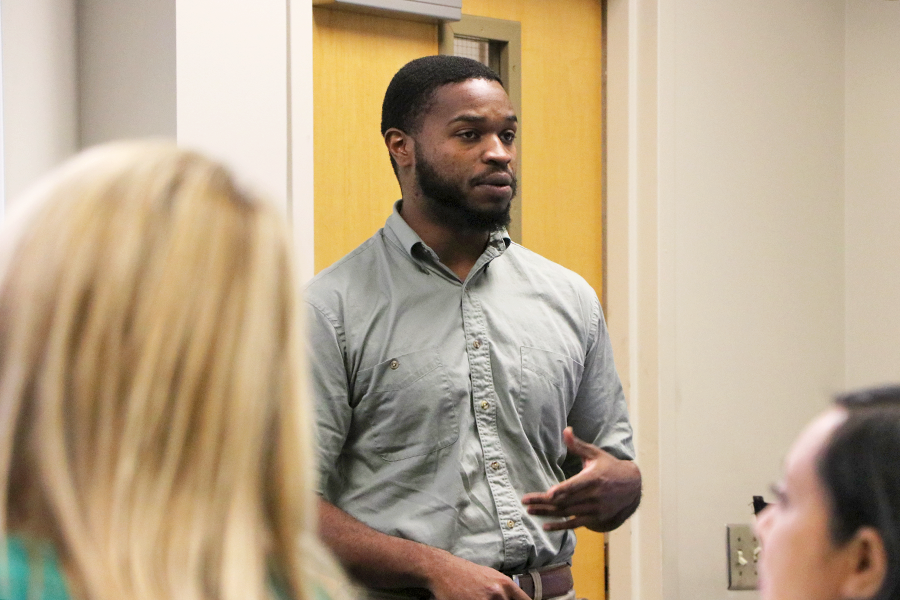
(548, 384)
(408, 408)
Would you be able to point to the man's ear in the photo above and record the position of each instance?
(401, 146)
(867, 564)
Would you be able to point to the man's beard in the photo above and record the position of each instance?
(446, 201)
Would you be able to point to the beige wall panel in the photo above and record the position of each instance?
(726, 175)
(354, 58)
(872, 179)
(562, 118)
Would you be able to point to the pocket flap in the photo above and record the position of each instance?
(402, 370)
(558, 369)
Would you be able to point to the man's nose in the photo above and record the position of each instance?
(498, 151)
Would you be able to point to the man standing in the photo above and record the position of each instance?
(457, 374)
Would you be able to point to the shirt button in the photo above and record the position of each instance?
(510, 524)
(485, 405)
(476, 344)
(495, 465)
(395, 364)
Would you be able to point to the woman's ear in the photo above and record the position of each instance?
(867, 562)
(400, 145)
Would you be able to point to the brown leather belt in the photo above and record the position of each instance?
(547, 583)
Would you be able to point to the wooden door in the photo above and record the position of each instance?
(354, 58)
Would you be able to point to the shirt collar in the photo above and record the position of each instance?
(408, 239)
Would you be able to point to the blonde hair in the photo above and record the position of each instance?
(154, 425)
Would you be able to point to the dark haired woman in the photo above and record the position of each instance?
(834, 532)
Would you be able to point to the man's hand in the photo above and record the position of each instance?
(459, 579)
(605, 493)
(381, 561)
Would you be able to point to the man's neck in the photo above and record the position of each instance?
(458, 249)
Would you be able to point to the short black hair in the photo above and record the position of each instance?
(860, 471)
(412, 88)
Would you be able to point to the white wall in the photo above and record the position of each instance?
(232, 70)
(126, 75)
(244, 81)
(745, 297)
(234, 82)
(2, 157)
(81, 72)
(301, 189)
(873, 192)
(39, 89)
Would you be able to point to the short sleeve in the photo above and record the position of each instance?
(599, 414)
(331, 396)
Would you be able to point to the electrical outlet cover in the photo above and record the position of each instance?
(743, 557)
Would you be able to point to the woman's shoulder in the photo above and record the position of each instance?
(33, 572)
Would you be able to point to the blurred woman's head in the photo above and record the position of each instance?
(834, 531)
(153, 425)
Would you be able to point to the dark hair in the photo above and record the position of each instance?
(860, 470)
(410, 92)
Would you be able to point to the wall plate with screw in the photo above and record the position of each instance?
(743, 557)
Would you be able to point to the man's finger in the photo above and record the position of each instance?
(543, 510)
(573, 486)
(575, 510)
(581, 491)
(578, 446)
(539, 497)
(561, 492)
(572, 523)
(584, 495)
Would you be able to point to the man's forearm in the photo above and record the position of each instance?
(383, 561)
(375, 559)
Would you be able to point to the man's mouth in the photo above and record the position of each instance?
(495, 180)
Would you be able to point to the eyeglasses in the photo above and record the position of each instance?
(759, 504)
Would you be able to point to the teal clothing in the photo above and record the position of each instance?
(34, 572)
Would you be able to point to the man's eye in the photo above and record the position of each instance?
(468, 135)
(508, 137)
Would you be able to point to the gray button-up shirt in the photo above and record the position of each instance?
(440, 403)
